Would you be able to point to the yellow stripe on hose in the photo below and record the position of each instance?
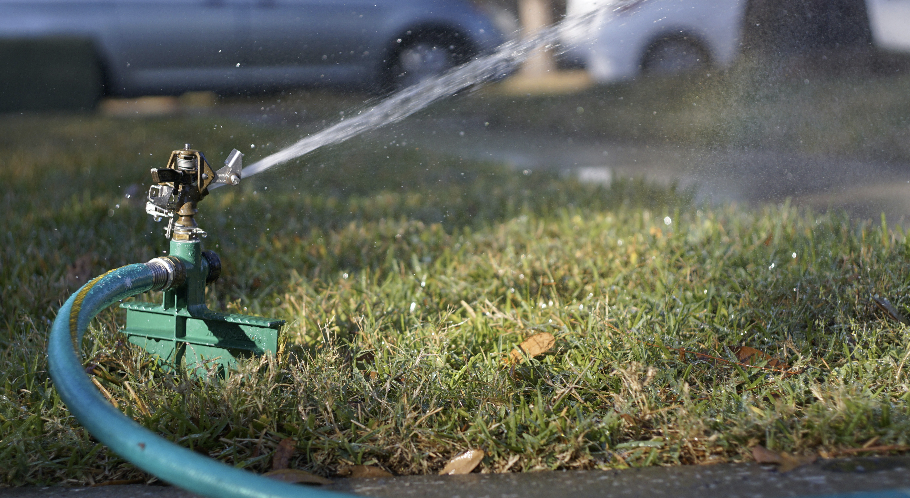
(77, 304)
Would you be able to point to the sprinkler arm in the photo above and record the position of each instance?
(230, 173)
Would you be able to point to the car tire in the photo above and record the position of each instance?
(674, 56)
(425, 56)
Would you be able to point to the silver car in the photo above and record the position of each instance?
(173, 46)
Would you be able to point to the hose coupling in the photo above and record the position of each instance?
(167, 272)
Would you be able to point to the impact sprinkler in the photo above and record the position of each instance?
(182, 331)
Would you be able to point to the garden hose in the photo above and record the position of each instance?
(144, 449)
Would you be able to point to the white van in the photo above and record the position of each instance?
(631, 37)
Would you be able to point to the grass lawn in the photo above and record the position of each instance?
(409, 279)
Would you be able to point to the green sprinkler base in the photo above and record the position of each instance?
(183, 333)
(210, 341)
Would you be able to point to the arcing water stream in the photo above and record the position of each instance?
(412, 99)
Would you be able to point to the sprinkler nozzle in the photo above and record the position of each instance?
(181, 184)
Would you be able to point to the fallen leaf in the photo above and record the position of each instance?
(629, 419)
(533, 346)
(362, 471)
(467, 307)
(791, 462)
(785, 462)
(764, 455)
(889, 308)
(295, 476)
(752, 356)
(282, 458)
(463, 463)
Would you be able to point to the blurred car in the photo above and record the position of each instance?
(629, 37)
(890, 24)
(148, 47)
(632, 37)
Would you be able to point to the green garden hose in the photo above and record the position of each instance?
(148, 451)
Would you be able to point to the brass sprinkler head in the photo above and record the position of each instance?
(180, 186)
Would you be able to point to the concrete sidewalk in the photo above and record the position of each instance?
(827, 477)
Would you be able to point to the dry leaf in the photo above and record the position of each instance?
(295, 476)
(463, 463)
(785, 462)
(752, 356)
(533, 346)
(791, 462)
(764, 455)
(629, 419)
(889, 308)
(467, 307)
(282, 458)
(362, 471)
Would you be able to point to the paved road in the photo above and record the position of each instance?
(864, 189)
(830, 477)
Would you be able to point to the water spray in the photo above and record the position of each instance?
(507, 58)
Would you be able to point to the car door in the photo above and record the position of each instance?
(890, 23)
(169, 46)
(311, 33)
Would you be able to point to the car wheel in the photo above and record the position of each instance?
(674, 56)
(423, 57)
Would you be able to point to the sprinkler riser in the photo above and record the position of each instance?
(182, 331)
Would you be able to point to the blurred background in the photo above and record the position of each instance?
(747, 101)
(69, 55)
